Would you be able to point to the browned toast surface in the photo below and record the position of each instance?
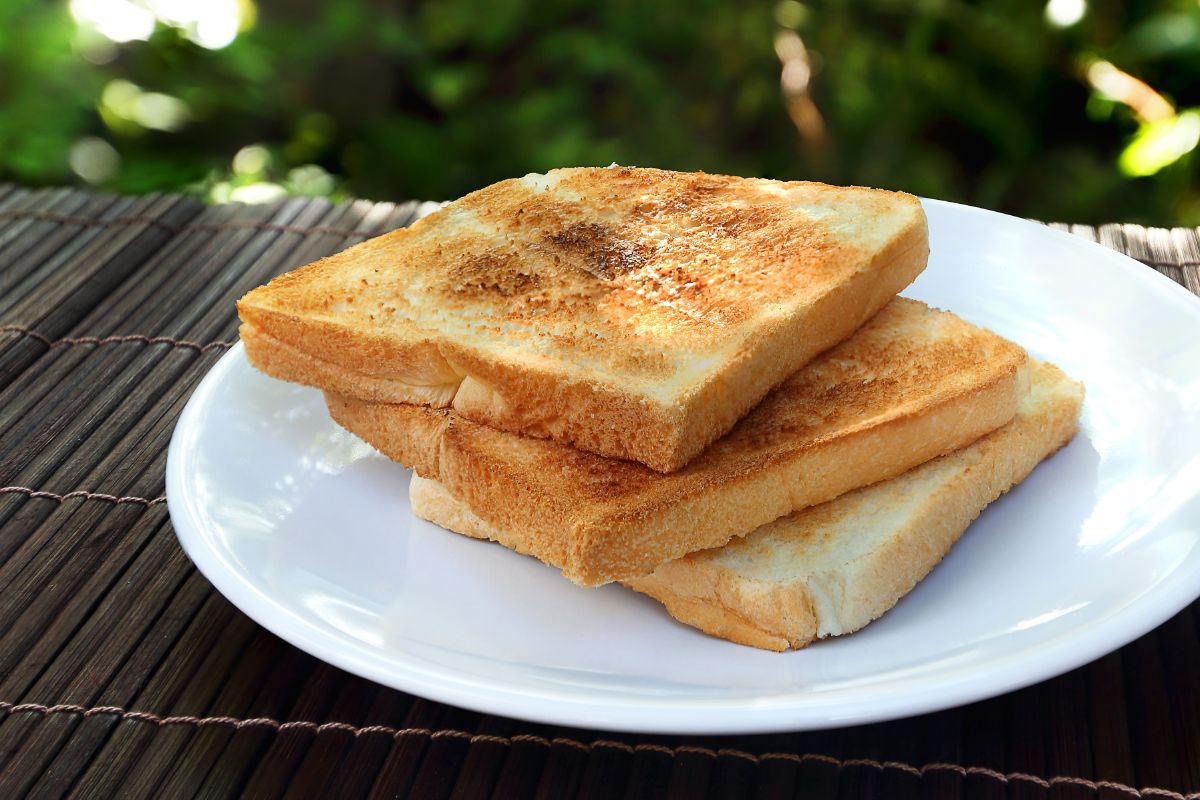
(912, 384)
(635, 313)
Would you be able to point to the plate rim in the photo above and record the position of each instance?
(597, 709)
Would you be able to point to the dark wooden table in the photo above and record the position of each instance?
(123, 671)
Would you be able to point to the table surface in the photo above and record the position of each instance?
(122, 669)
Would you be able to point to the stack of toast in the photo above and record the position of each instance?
(703, 387)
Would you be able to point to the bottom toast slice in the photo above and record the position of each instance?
(830, 569)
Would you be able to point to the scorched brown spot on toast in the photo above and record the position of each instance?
(634, 313)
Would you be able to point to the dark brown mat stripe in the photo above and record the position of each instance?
(740, 770)
(122, 671)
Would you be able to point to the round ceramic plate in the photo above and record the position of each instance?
(308, 531)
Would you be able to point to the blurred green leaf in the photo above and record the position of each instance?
(978, 101)
(1161, 143)
(1164, 35)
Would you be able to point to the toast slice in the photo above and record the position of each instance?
(911, 385)
(831, 569)
(633, 313)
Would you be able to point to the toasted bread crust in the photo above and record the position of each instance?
(911, 385)
(703, 590)
(519, 309)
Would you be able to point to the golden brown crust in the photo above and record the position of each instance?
(280, 360)
(411, 435)
(912, 384)
(590, 304)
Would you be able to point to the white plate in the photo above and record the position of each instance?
(309, 532)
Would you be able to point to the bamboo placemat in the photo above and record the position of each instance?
(123, 671)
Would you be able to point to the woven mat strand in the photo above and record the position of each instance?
(122, 670)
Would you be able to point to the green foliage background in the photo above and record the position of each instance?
(981, 102)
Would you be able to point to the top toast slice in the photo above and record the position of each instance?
(912, 384)
(634, 313)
